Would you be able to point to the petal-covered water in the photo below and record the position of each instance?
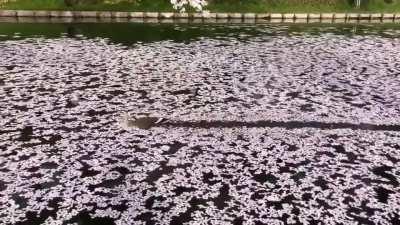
(247, 129)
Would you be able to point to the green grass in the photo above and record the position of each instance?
(275, 6)
(144, 5)
(33, 4)
(381, 6)
(257, 6)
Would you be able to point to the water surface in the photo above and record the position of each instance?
(199, 124)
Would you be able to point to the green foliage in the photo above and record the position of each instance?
(257, 6)
(279, 5)
(380, 5)
(111, 5)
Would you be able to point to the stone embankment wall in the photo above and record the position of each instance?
(273, 17)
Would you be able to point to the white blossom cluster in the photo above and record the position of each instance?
(183, 4)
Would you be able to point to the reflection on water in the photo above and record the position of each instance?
(130, 33)
(195, 124)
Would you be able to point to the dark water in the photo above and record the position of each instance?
(130, 33)
(114, 123)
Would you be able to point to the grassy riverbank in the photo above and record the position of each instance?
(257, 6)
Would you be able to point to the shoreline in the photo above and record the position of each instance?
(238, 17)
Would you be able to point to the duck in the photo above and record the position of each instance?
(146, 123)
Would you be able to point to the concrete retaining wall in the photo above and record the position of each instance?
(287, 17)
